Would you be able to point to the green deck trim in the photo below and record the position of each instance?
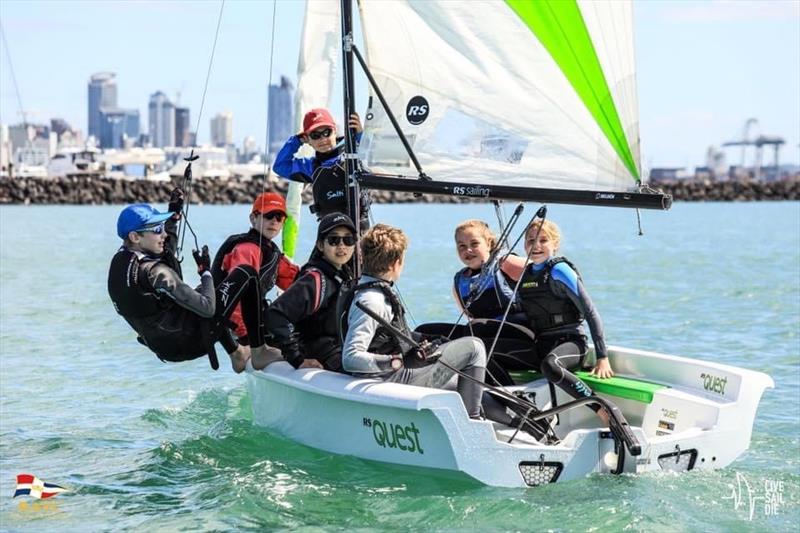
(629, 388)
(632, 389)
(524, 376)
(560, 28)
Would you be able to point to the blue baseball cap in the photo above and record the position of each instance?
(136, 217)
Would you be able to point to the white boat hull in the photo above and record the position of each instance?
(701, 419)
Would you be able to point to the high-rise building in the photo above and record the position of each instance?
(281, 114)
(117, 125)
(102, 94)
(162, 120)
(59, 126)
(222, 129)
(182, 127)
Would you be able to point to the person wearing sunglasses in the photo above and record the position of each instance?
(325, 169)
(319, 132)
(255, 251)
(302, 321)
(145, 283)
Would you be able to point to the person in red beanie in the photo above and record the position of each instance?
(325, 169)
(255, 252)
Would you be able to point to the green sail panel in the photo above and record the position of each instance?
(481, 100)
(560, 27)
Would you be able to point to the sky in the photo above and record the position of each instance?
(703, 67)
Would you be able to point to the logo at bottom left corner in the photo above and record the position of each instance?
(30, 485)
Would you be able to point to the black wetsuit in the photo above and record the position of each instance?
(177, 322)
(303, 321)
(556, 304)
(484, 299)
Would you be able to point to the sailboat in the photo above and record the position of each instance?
(498, 100)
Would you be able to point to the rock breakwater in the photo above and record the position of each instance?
(90, 190)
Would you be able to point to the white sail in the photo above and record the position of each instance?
(531, 94)
(320, 50)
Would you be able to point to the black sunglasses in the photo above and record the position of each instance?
(319, 134)
(274, 215)
(336, 240)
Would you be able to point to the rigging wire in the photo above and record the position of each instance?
(541, 214)
(266, 130)
(16, 86)
(488, 268)
(186, 184)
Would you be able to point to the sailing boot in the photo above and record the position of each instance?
(263, 355)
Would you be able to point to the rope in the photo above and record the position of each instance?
(542, 214)
(266, 128)
(16, 86)
(186, 184)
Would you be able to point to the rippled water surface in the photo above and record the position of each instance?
(151, 446)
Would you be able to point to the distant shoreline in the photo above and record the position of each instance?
(99, 191)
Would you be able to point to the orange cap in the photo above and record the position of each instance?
(269, 201)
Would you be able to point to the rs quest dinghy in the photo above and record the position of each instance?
(501, 100)
(685, 414)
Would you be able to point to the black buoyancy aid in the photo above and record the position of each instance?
(544, 308)
(167, 329)
(129, 286)
(270, 258)
(488, 295)
(383, 342)
(329, 191)
(319, 333)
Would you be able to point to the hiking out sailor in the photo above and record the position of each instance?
(556, 303)
(325, 169)
(255, 252)
(483, 293)
(371, 350)
(174, 320)
(302, 322)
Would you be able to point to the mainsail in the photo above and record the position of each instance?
(510, 93)
(316, 75)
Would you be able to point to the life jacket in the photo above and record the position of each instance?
(544, 308)
(319, 333)
(170, 331)
(329, 190)
(383, 342)
(270, 258)
(488, 295)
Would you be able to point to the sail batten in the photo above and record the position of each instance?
(493, 103)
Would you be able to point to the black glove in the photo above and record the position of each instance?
(176, 198)
(290, 349)
(202, 259)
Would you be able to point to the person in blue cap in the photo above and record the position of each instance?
(174, 320)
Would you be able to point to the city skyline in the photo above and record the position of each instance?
(704, 68)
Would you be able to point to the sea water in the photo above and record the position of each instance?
(151, 446)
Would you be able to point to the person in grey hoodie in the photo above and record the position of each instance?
(371, 350)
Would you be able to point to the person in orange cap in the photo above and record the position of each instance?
(255, 251)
